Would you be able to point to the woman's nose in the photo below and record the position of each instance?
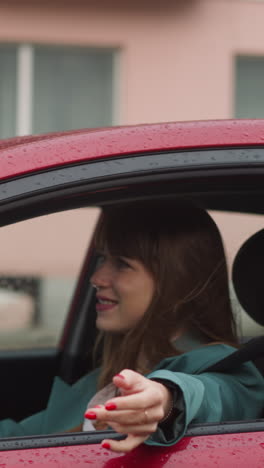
(102, 275)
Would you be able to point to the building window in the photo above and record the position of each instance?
(249, 87)
(54, 88)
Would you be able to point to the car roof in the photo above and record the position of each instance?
(20, 155)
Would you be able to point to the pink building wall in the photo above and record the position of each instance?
(175, 57)
(174, 60)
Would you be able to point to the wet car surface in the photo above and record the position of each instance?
(218, 163)
(224, 450)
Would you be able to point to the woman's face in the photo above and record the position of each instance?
(125, 292)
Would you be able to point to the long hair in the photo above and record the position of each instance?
(180, 245)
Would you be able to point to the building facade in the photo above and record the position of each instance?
(68, 64)
(84, 63)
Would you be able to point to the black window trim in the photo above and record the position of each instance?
(96, 437)
(211, 161)
(20, 195)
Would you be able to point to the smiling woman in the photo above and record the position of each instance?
(124, 292)
(162, 290)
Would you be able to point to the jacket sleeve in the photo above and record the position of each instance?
(64, 411)
(210, 397)
(52, 419)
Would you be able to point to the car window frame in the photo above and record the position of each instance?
(32, 197)
(94, 177)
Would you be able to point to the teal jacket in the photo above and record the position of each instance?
(203, 396)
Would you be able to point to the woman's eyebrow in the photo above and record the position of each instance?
(101, 252)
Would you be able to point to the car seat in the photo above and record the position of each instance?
(248, 277)
(248, 281)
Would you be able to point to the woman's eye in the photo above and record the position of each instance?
(100, 260)
(122, 263)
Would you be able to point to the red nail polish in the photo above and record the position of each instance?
(120, 376)
(110, 406)
(106, 445)
(90, 415)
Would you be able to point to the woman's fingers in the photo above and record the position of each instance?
(126, 417)
(129, 381)
(137, 401)
(144, 406)
(137, 429)
(125, 445)
(140, 393)
(137, 412)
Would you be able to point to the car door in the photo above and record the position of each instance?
(209, 177)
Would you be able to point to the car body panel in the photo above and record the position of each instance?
(49, 163)
(222, 451)
(19, 156)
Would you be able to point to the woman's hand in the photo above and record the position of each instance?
(137, 412)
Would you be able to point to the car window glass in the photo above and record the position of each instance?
(40, 260)
(236, 228)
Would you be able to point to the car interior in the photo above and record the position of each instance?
(74, 355)
(240, 272)
(248, 284)
(247, 276)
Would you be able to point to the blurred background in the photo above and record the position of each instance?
(67, 64)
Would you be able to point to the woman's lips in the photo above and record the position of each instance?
(104, 303)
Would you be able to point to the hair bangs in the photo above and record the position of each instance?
(122, 236)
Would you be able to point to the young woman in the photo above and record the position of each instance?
(162, 289)
(164, 316)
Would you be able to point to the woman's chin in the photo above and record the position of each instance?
(107, 326)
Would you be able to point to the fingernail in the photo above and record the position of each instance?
(106, 445)
(120, 376)
(110, 406)
(90, 415)
(98, 406)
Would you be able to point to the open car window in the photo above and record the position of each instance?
(236, 228)
(40, 263)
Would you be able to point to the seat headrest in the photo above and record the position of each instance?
(248, 276)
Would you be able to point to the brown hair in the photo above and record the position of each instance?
(180, 245)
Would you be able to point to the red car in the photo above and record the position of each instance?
(218, 163)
